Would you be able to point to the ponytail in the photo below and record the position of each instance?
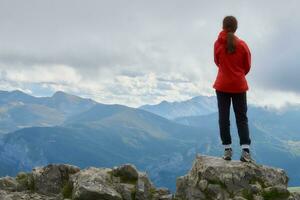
(230, 24)
(230, 42)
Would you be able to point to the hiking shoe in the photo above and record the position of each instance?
(246, 157)
(227, 154)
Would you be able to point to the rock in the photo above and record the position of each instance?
(209, 178)
(163, 191)
(127, 191)
(162, 194)
(127, 173)
(94, 183)
(294, 196)
(203, 185)
(239, 198)
(8, 183)
(166, 197)
(144, 188)
(255, 188)
(257, 197)
(215, 178)
(123, 182)
(51, 179)
(25, 195)
(217, 191)
(276, 192)
(67, 182)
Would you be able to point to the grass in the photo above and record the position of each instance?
(133, 194)
(67, 190)
(274, 194)
(26, 180)
(247, 194)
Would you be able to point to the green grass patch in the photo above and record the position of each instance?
(247, 194)
(133, 194)
(274, 194)
(26, 180)
(67, 190)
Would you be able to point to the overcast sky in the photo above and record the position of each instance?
(137, 52)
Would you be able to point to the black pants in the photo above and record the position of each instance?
(239, 102)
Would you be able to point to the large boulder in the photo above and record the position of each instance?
(60, 181)
(120, 183)
(215, 178)
(94, 183)
(52, 178)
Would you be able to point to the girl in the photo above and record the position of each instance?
(233, 58)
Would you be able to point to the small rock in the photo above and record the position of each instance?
(203, 184)
(128, 173)
(162, 191)
(257, 197)
(8, 183)
(127, 191)
(51, 179)
(144, 188)
(255, 188)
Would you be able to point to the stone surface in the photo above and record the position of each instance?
(215, 178)
(25, 195)
(94, 183)
(119, 183)
(210, 178)
(8, 183)
(60, 181)
(51, 179)
(127, 172)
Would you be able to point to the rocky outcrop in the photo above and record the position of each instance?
(57, 182)
(210, 178)
(216, 179)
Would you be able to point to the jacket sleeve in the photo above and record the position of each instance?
(216, 59)
(247, 58)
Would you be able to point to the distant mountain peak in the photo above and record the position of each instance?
(61, 94)
(199, 105)
(18, 92)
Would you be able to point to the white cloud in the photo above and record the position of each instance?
(136, 52)
(59, 74)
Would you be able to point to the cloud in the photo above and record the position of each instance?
(135, 52)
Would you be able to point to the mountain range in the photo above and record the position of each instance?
(200, 105)
(20, 110)
(68, 129)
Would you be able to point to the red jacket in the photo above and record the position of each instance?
(232, 68)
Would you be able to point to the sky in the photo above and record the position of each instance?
(137, 52)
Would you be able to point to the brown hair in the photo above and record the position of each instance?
(230, 24)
